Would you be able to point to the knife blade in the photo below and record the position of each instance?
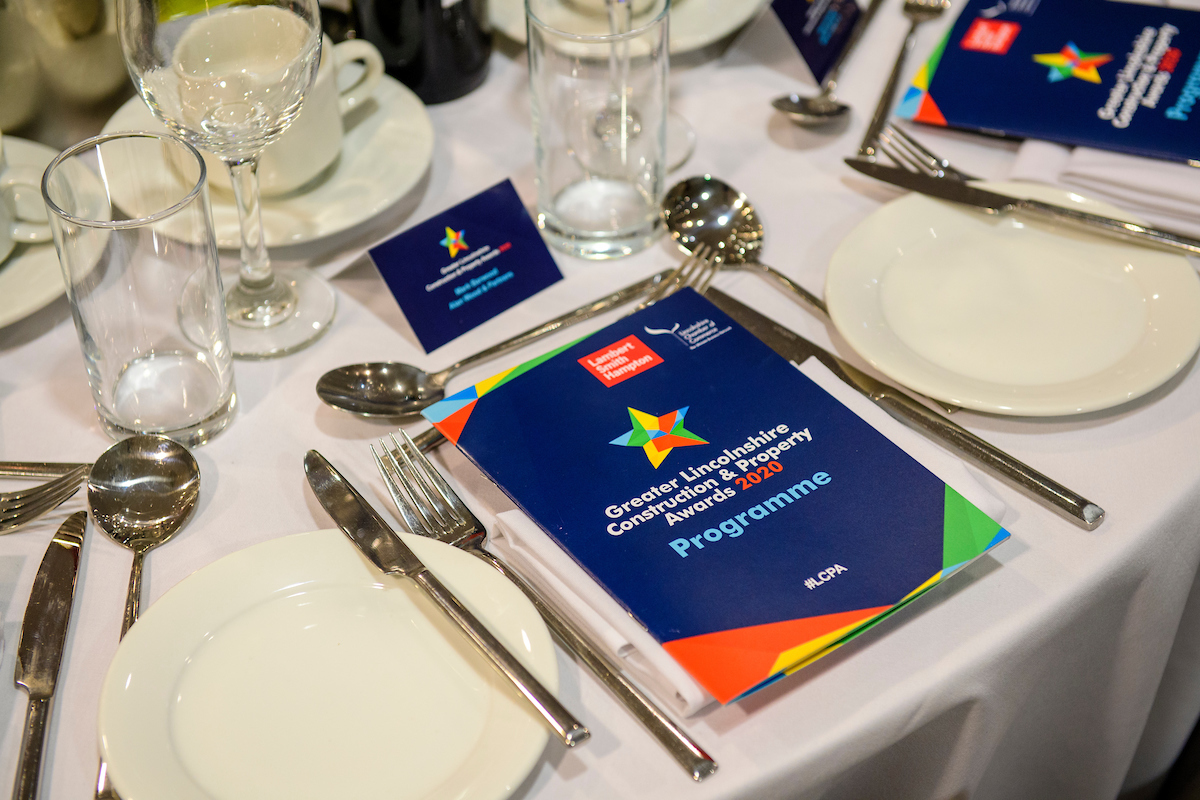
(387, 551)
(43, 639)
(797, 349)
(993, 202)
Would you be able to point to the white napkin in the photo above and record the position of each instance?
(1164, 193)
(518, 540)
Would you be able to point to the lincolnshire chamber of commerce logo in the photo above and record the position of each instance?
(455, 241)
(658, 436)
(1071, 62)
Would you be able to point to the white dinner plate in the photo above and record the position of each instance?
(30, 279)
(294, 669)
(384, 154)
(694, 23)
(1011, 315)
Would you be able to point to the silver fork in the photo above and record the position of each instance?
(910, 154)
(25, 505)
(430, 507)
(917, 11)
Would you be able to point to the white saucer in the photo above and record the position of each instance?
(694, 23)
(384, 155)
(1010, 315)
(30, 279)
(295, 669)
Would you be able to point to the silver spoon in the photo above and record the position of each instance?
(401, 391)
(141, 492)
(809, 112)
(707, 210)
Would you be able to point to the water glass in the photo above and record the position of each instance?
(139, 259)
(599, 97)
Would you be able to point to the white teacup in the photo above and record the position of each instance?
(314, 139)
(16, 229)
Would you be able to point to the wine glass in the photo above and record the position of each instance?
(230, 78)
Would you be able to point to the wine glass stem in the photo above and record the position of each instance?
(256, 264)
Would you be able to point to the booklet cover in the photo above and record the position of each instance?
(745, 517)
(458, 269)
(820, 29)
(1105, 74)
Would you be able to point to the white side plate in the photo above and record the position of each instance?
(294, 669)
(1011, 315)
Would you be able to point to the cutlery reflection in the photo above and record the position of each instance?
(43, 639)
(997, 203)
(436, 511)
(392, 556)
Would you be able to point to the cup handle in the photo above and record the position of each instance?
(28, 231)
(365, 52)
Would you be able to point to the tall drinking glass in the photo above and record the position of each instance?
(230, 78)
(599, 95)
(139, 258)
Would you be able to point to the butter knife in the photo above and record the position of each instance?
(797, 349)
(43, 639)
(391, 555)
(998, 203)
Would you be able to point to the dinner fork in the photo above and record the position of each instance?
(20, 507)
(430, 507)
(917, 11)
(910, 154)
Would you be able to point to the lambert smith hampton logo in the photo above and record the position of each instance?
(658, 436)
(455, 241)
(1071, 62)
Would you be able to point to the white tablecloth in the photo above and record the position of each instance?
(1062, 666)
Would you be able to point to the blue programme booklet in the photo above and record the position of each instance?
(1100, 73)
(747, 518)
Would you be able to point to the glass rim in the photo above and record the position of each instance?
(95, 141)
(598, 38)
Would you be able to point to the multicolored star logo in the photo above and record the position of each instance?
(1071, 62)
(657, 436)
(454, 241)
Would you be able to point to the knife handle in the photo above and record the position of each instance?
(569, 729)
(682, 748)
(994, 459)
(29, 769)
(36, 469)
(1113, 227)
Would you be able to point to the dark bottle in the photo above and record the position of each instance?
(438, 48)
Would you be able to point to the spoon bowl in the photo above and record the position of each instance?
(382, 389)
(811, 112)
(141, 491)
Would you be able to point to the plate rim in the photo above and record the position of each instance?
(187, 598)
(1067, 398)
(36, 154)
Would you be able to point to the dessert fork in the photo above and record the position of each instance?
(908, 153)
(430, 507)
(917, 11)
(25, 505)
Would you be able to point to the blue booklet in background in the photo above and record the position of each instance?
(748, 519)
(818, 28)
(1099, 73)
(464, 266)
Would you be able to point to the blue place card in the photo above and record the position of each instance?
(464, 266)
(819, 29)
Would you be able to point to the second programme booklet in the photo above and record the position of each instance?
(744, 516)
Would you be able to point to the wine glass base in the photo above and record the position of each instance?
(311, 314)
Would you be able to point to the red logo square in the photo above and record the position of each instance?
(620, 361)
(990, 36)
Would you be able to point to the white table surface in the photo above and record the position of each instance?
(1063, 665)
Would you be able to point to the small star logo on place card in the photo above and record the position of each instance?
(455, 241)
(657, 436)
(1071, 62)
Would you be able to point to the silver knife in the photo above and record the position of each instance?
(43, 639)
(391, 555)
(796, 348)
(997, 203)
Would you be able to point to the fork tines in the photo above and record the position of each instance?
(696, 271)
(23, 506)
(429, 505)
(910, 154)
